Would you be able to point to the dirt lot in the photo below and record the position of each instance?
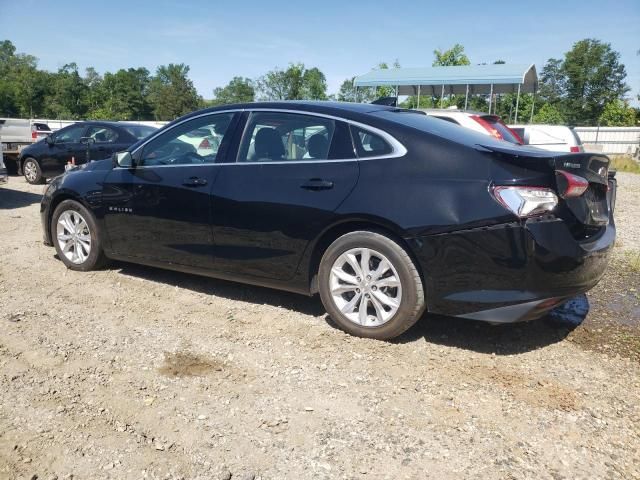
(133, 372)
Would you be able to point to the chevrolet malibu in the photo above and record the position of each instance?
(386, 213)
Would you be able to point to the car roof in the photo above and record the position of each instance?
(345, 109)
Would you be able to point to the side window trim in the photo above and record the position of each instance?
(399, 149)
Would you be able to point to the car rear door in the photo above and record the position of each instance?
(105, 141)
(160, 209)
(281, 191)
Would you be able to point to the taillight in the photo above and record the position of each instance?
(526, 201)
(205, 144)
(574, 149)
(34, 132)
(570, 185)
(487, 126)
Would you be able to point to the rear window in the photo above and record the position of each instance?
(139, 131)
(505, 131)
(447, 119)
(42, 127)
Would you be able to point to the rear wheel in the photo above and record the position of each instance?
(370, 286)
(32, 172)
(75, 237)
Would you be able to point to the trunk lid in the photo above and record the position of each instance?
(592, 208)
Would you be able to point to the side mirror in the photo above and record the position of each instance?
(122, 159)
(49, 141)
(87, 141)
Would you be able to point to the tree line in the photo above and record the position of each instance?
(585, 87)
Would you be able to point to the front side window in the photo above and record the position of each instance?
(102, 134)
(369, 144)
(195, 142)
(279, 136)
(69, 135)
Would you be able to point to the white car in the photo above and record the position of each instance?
(205, 140)
(478, 121)
(556, 138)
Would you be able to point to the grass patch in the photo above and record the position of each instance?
(624, 163)
(633, 259)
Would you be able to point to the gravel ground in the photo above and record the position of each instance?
(133, 372)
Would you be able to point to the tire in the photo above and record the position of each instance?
(73, 220)
(32, 172)
(405, 302)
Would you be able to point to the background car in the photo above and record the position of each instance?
(555, 138)
(478, 122)
(384, 212)
(77, 143)
(4, 178)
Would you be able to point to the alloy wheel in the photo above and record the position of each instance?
(74, 236)
(365, 287)
(30, 171)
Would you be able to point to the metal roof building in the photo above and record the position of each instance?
(466, 79)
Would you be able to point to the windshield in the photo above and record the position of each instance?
(140, 131)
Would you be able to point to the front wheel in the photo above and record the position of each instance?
(32, 172)
(75, 236)
(370, 286)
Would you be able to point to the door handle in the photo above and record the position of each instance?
(317, 184)
(194, 182)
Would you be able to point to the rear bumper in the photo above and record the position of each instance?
(510, 272)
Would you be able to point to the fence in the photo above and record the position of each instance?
(611, 140)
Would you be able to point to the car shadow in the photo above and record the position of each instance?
(224, 288)
(504, 339)
(10, 199)
(501, 339)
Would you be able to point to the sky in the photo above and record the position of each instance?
(223, 39)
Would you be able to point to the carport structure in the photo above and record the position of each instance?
(468, 80)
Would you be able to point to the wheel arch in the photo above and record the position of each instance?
(335, 231)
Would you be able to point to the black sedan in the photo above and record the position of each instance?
(76, 144)
(385, 212)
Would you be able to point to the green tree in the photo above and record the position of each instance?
(295, 83)
(124, 95)
(549, 114)
(452, 57)
(314, 84)
(238, 90)
(618, 114)
(552, 82)
(171, 92)
(68, 94)
(593, 77)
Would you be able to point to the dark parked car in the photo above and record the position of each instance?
(385, 212)
(79, 142)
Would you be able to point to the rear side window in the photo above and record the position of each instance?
(369, 144)
(279, 136)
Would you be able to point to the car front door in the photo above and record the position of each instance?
(160, 208)
(291, 173)
(66, 147)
